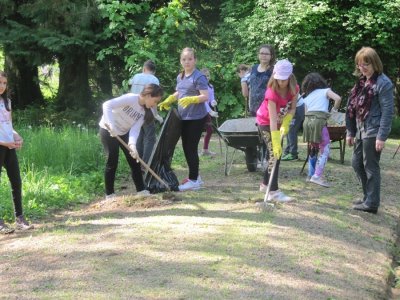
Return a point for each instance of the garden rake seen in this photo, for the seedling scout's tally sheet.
(145, 165)
(266, 204)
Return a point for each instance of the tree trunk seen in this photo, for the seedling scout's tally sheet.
(74, 92)
(104, 78)
(23, 82)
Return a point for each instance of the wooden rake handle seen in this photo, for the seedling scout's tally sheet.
(146, 166)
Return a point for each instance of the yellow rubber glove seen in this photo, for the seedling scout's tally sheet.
(286, 124)
(166, 104)
(276, 143)
(186, 101)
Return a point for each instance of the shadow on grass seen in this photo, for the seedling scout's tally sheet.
(215, 266)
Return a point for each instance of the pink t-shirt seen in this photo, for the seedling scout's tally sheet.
(282, 103)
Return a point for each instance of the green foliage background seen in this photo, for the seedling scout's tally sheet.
(119, 35)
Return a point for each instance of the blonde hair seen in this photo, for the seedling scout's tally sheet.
(273, 84)
(368, 55)
(187, 49)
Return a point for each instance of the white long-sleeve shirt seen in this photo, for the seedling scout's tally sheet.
(124, 114)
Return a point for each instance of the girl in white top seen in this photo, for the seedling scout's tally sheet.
(10, 141)
(316, 98)
(125, 116)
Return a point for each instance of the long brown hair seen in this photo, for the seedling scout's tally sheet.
(5, 93)
(311, 82)
(271, 51)
(152, 90)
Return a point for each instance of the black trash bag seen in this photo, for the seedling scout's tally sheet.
(161, 158)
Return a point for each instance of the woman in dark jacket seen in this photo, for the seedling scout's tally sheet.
(369, 115)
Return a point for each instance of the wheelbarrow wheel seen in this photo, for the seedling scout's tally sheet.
(251, 158)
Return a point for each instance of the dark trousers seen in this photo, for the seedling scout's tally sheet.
(146, 140)
(191, 134)
(266, 136)
(209, 131)
(8, 159)
(365, 163)
(111, 148)
(295, 125)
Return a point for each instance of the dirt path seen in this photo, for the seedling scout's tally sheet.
(213, 244)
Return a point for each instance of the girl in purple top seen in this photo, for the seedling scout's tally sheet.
(191, 93)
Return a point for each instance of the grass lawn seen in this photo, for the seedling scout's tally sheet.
(214, 244)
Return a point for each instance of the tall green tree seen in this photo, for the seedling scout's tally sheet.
(318, 36)
(143, 30)
(39, 31)
(69, 30)
(21, 54)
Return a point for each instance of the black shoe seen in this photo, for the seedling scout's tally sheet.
(359, 201)
(363, 207)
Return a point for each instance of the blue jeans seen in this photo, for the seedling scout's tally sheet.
(295, 125)
(146, 140)
(365, 162)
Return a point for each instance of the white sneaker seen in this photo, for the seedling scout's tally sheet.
(207, 153)
(320, 181)
(198, 180)
(279, 196)
(110, 197)
(143, 193)
(190, 185)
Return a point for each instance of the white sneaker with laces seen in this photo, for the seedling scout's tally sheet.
(143, 193)
(320, 181)
(279, 196)
(190, 185)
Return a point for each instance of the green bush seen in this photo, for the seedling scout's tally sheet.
(59, 167)
(395, 127)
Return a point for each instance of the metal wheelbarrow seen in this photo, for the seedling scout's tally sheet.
(241, 134)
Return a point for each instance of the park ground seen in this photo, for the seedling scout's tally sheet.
(214, 243)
